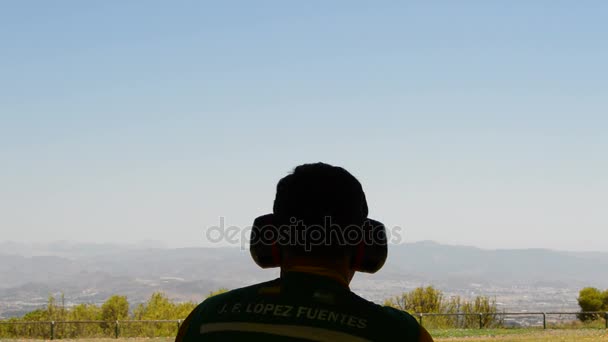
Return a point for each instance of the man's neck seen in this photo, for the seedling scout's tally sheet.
(338, 272)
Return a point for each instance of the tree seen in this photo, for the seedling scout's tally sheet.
(605, 300)
(51, 308)
(430, 300)
(36, 315)
(483, 304)
(116, 308)
(158, 307)
(36, 330)
(421, 299)
(182, 310)
(591, 299)
(217, 292)
(84, 312)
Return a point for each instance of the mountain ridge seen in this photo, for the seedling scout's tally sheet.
(91, 274)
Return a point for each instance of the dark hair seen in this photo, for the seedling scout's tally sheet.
(316, 193)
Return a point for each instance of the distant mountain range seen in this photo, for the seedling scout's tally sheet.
(92, 272)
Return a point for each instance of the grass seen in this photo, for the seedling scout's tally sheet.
(440, 335)
(103, 339)
(520, 335)
(462, 333)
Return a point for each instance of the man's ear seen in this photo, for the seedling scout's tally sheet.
(371, 255)
(263, 247)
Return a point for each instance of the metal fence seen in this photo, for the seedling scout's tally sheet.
(141, 328)
(482, 320)
(74, 329)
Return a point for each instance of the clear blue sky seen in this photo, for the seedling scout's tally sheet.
(468, 122)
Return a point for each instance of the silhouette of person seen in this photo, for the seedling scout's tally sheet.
(319, 235)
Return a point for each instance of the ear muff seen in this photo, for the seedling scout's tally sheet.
(369, 256)
(371, 252)
(263, 243)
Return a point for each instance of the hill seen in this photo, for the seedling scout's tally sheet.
(535, 278)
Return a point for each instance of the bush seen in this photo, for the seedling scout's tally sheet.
(431, 300)
(89, 320)
(592, 299)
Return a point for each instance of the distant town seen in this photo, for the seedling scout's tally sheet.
(518, 280)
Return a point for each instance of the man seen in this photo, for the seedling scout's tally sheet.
(319, 235)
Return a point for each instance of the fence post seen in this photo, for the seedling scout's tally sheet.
(606, 318)
(420, 319)
(544, 320)
(116, 329)
(52, 330)
(179, 323)
(480, 320)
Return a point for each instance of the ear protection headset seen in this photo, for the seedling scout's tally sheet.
(369, 255)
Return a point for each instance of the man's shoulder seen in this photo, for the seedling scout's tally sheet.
(399, 315)
(401, 323)
(389, 321)
(342, 311)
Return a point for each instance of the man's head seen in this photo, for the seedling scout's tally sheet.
(319, 197)
(319, 218)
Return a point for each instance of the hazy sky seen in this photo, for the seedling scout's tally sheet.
(468, 122)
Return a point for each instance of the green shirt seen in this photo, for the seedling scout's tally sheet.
(297, 307)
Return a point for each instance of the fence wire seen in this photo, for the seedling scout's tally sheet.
(166, 328)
